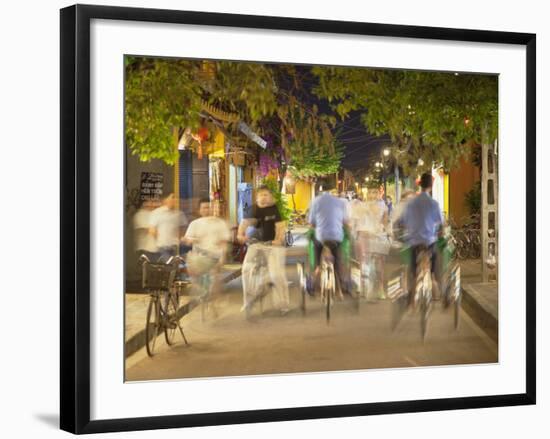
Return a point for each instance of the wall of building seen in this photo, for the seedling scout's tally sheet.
(134, 168)
(302, 196)
(461, 180)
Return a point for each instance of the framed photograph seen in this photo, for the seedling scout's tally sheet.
(273, 218)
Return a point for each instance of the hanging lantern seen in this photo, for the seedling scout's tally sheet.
(203, 134)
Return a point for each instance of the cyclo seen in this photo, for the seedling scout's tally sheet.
(329, 288)
(416, 289)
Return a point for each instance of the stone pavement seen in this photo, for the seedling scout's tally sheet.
(136, 312)
(480, 300)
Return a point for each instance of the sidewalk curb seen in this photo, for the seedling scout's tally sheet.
(137, 341)
(480, 312)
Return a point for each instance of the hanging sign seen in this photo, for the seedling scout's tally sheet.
(245, 129)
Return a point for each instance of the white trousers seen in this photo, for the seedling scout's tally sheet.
(276, 273)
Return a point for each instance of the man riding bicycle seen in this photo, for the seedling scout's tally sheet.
(269, 239)
(209, 236)
(422, 221)
(329, 216)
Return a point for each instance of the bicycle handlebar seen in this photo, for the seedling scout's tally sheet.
(144, 259)
(175, 259)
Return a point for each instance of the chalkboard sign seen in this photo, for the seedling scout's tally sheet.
(152, 186)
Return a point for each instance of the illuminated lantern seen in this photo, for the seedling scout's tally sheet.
(203, 134)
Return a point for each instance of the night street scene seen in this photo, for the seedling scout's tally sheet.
(284, 218)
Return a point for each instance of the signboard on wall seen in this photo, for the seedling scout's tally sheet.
(151, 186)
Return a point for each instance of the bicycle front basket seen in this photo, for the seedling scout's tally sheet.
(158, 276)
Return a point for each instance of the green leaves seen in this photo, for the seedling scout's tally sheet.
(309, 162)
(280, 200)
(434, 115)
(164, 94)
(160, 95)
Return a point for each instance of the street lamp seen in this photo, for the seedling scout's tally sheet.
(386, 152)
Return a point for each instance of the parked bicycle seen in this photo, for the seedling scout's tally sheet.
(162, 311)
(467, 237)
(289, 237)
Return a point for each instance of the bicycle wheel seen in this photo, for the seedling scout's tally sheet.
(152, 325)
(256, 286)
(425, 303)
(170, 318)
(457, 297)
(329, 292)
(302, 285)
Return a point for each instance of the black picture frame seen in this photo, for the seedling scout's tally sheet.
(75, 218)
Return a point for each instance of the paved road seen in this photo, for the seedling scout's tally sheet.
(229, 345)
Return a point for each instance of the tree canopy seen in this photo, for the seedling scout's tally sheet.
(429, 115)
(167, 94)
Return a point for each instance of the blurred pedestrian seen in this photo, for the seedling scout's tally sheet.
(144, 241)
(167, 225)
(423, 222)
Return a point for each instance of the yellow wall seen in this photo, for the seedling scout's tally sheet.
(446, 197)
(302, 197)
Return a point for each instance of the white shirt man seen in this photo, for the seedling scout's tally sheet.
(208, 234)
(166, 222)
(143, 240)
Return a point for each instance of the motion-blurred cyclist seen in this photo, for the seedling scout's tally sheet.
(422, 221)
(209, 236)
(329, 216)
(371, 237)
(269, 239)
